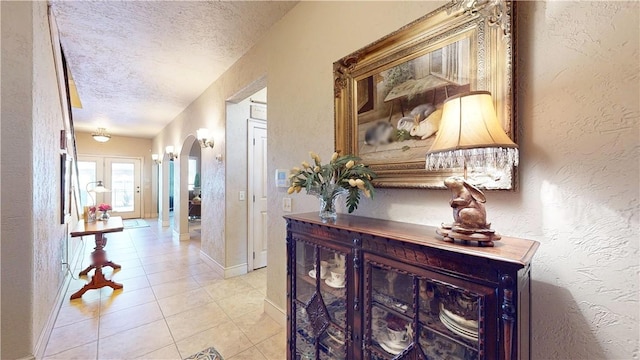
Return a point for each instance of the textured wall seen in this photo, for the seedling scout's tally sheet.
(16, 132)
(128, 147)
(49, 236)
(32, 236)
(236, 211)
(578, 112)
(580, 130)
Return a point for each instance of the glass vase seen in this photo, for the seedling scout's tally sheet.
(327, 194)
(104, 215)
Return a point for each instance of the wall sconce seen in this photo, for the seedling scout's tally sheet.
(156, 159)
(101, 135)
(169, 151)
(204, 138)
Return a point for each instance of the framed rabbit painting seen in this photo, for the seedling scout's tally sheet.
(389, 95)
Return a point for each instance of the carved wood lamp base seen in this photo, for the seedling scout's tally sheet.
(481, 237)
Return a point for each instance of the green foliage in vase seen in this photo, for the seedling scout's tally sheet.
(344, 171)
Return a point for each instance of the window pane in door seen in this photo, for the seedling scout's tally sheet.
(122, 186)
(86, 175)
(193, 163)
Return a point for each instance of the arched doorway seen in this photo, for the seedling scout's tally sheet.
(182, 183)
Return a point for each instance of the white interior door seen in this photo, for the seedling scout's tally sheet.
(122, 177)
(257, 175)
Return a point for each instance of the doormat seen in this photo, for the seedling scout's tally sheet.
(134, 223)
(206, 354)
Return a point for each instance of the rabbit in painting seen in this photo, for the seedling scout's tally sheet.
(406, 123)
(379, 134)
(426, 120)
(467, 202)
(422, 111)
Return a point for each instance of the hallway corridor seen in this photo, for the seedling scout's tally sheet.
(172, 306)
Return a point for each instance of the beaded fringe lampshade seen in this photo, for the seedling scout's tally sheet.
(470, 135)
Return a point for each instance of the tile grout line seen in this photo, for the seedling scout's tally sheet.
(164, 317)
(155, 296)
(167, 249)
(100, 310)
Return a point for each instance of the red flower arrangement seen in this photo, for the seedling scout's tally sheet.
(104, 207)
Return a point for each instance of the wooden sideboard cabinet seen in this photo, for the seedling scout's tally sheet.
(363, 288)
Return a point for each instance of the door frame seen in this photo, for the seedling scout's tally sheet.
(108, 159)
(251, 124)
(102, 169)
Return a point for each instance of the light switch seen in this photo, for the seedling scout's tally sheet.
(286, 204)
(241, 196)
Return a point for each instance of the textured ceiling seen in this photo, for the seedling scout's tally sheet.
(138, 64)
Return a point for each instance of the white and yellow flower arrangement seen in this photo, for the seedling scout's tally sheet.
(343, 174)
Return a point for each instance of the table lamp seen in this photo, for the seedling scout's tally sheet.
(99, 188)
(469, 135)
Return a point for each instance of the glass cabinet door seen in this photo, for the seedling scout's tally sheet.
(305, 260)
(449, 321)
(391, 316)
(334, 294)
(320, 302)
(410, 316)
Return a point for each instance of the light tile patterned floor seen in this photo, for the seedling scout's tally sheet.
(172, 306)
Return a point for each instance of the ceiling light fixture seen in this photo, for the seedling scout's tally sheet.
(101, 135)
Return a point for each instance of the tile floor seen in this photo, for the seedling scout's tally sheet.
(172, 306)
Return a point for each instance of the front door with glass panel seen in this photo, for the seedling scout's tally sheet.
(120, 175)
(90, 171)
(123, 177)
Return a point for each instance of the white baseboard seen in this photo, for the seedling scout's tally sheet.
(43, 339)
(219, 269)
(181, 236)
(226, 273)
(235, 270)
(277, 314)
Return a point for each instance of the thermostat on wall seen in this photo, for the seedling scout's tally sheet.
(282, 178)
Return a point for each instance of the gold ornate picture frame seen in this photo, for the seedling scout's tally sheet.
(389, 94)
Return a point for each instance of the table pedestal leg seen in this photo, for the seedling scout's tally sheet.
(98, 260)
(96, 282)
(99, 256)
(86, 271)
